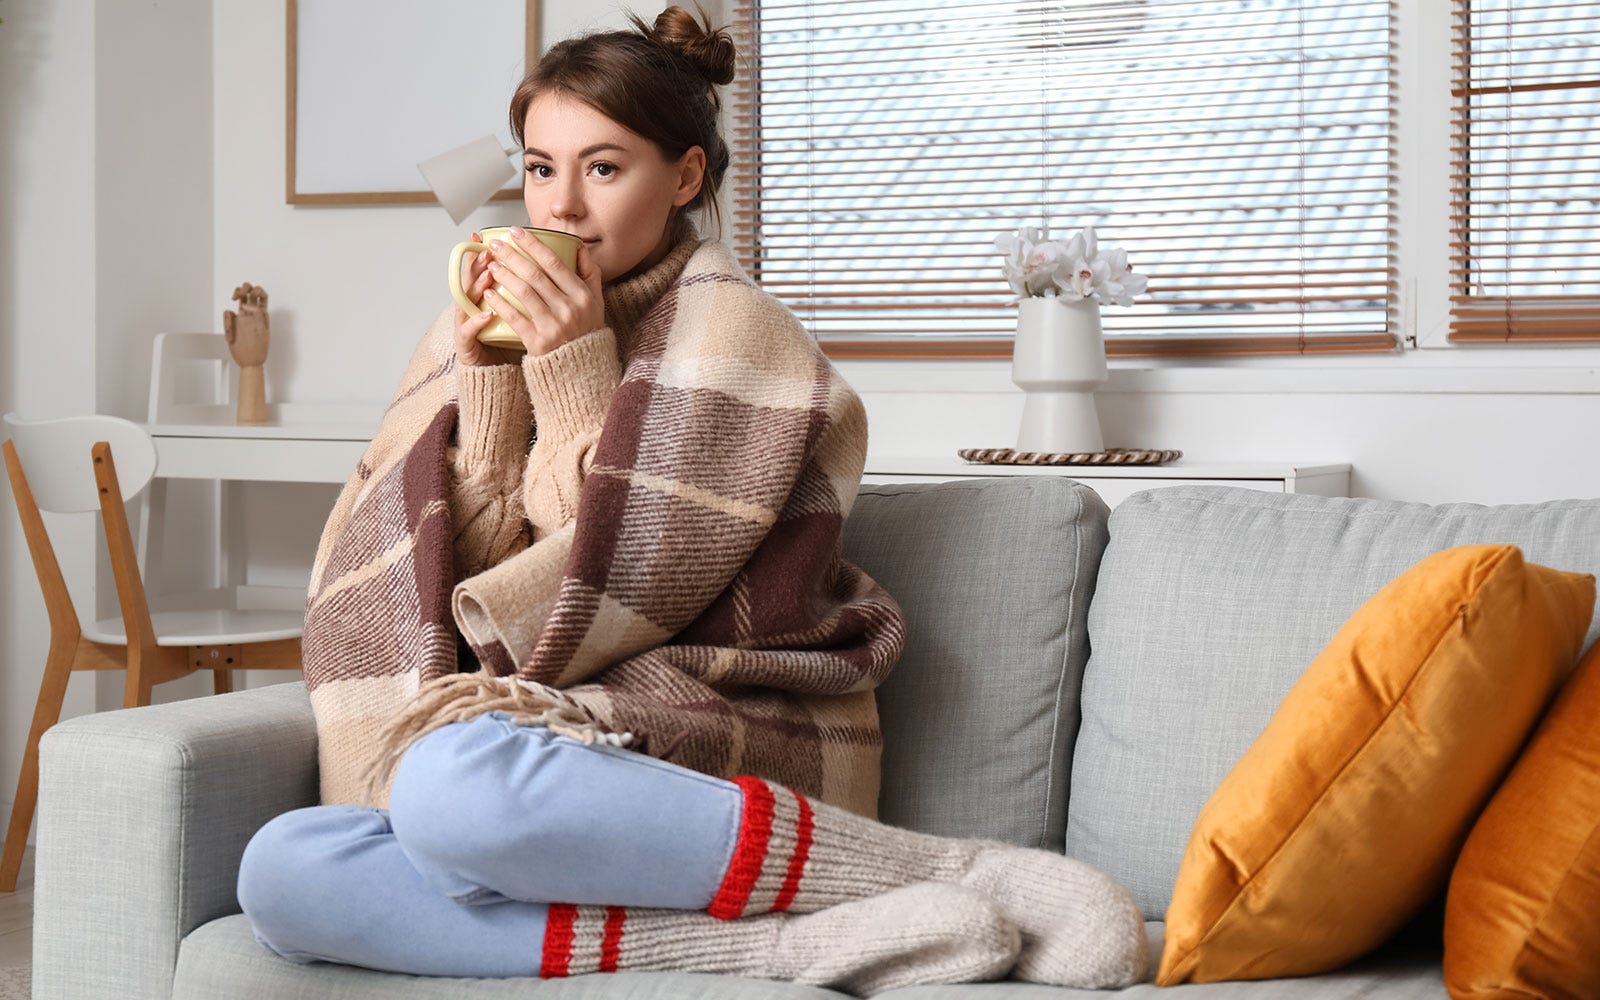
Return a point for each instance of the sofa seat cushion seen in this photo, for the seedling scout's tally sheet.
(979, 716)
(222, 961)
(1395, 976)
(1210, 604)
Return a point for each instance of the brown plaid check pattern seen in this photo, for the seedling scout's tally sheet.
(698, 603)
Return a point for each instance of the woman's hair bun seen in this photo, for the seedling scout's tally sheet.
(710, 51)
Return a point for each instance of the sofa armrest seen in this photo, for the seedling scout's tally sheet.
(143, 816)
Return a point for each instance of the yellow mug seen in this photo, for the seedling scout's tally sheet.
(498, 334)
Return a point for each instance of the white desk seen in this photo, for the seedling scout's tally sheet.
(301, 443)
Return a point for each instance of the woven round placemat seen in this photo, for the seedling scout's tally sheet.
(1111, 456)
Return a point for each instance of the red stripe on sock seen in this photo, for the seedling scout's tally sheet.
(797, 862)
(611, 944)
(755, 829)
(557, 953)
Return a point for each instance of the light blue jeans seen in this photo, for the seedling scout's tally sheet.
(487, 822)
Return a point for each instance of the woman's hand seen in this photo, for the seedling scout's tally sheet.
(562, 304)
(469, 350)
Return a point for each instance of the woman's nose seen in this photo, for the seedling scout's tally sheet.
(566, 201)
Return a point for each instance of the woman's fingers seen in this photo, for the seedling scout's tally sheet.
(505, 310)
(475, 291)
(524, 291)
(588, 273)
(544, 272)
(551, 265)
(504, 261)
(543, 300)
(467, 327)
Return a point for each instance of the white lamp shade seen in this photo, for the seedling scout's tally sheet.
(468, 176)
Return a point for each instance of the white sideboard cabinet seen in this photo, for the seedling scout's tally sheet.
(1115, 483)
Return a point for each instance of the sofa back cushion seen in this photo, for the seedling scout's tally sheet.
(1211, 602)
(979, 716)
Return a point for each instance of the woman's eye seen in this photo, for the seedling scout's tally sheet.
(604, 169)
(539, 169)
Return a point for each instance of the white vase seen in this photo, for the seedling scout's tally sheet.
(1058, 362)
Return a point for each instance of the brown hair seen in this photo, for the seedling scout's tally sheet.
(659, 82)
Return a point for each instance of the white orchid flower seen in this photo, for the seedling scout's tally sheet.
(1074, 248)
(1041, 266)
(1078, 280)
(1116, 291)
(1121, 283)
(1131, 285)
(1037, 266)
(1008, 244)
(1017, 248)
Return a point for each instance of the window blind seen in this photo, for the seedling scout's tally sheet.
(1526, 185)
(1240, 152)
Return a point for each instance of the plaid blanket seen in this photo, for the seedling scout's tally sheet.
(696, 610)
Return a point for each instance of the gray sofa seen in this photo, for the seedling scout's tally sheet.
(1201, 606)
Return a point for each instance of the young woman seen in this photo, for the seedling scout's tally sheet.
(593, 688)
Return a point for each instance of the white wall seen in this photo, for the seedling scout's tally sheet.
(153, 187)
(48, 312)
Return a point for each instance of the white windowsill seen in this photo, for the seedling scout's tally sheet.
(1384, 377)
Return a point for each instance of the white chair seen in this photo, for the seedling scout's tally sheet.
(70, 469)
(185, 365)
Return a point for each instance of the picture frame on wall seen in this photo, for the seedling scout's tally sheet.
(377, 86)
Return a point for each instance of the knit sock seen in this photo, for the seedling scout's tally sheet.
(1079, 926)
(918, 934)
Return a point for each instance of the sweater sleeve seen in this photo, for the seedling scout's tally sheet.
(495, 423)
(571, 388)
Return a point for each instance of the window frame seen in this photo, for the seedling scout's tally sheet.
(1422, 154)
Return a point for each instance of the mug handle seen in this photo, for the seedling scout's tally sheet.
(468, 306)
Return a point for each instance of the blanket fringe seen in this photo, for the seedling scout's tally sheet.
(463, 697)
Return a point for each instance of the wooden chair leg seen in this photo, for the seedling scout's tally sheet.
(136, 689)
(52, 689)
(220, 660)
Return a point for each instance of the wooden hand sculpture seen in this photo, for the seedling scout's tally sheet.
(247, 333)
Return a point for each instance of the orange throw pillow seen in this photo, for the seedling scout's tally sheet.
(1523, 915)
(1345, 815)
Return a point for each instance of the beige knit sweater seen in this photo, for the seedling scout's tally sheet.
(505, 495)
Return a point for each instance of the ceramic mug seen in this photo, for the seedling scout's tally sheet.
(497, 333)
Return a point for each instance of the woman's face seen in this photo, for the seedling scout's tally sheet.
(585, 174)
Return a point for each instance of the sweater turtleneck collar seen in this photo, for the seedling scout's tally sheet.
(629, 298)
